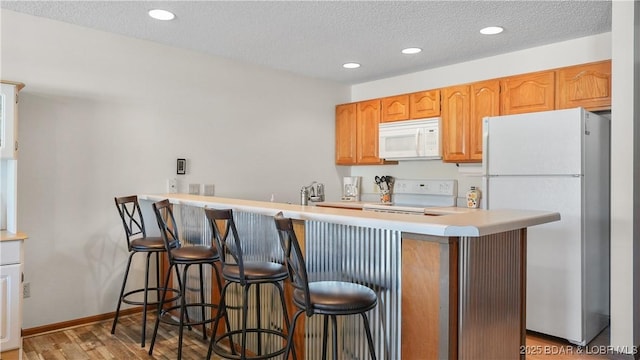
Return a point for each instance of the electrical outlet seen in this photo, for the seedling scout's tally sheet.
(209, 190)
(26, 290)
(194, 189)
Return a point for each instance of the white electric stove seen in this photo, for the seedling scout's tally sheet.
(417, 196)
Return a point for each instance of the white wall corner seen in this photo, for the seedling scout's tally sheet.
(625, 197)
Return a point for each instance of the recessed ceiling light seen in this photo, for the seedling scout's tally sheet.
(411, 51)
(351, 65)
(159, 14)
(491, 30)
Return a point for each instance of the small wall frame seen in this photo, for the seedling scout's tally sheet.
(181, 167)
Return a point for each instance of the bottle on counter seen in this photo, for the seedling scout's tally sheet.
(473, 198)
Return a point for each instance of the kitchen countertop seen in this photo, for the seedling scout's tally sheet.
(461, 222)
(9, 236)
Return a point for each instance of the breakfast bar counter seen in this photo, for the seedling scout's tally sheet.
(449, 287)
(475, 223)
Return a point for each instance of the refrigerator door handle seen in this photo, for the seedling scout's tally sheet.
(485, 146)
(484, 201)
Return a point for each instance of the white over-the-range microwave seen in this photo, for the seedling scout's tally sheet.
(410, 140)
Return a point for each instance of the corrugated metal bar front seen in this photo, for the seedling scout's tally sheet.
(490, 296)
(365, 256)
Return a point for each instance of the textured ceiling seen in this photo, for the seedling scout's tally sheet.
(314, 38)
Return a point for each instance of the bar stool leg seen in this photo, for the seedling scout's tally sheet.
(159, 313)
(145, 301)
(325, 329)
(221, 307)
(335, 337)
(183, 309)
(158, 285)
(290, 338)
(204, 326)
(286, 315)
(259, 319)
(222, 311)
(245, 310)
(124, 284)
(372, 350)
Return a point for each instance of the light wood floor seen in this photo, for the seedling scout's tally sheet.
(94, 341)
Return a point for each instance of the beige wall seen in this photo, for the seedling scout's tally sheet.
(105, 115)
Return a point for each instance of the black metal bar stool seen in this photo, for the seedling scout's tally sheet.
(185, 256)
(328, 298)
(246, 273)
(138, 242)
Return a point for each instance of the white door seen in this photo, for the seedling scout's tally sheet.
(543, 143)
(554, 266)
(10, 306)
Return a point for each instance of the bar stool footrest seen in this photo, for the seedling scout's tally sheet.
(237, 334)
(167, 318)
(133, 292)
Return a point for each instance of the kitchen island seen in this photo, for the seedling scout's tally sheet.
(449, 287)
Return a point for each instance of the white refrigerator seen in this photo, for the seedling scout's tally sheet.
(557, 161)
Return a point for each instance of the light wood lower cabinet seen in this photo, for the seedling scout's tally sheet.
(429, 293)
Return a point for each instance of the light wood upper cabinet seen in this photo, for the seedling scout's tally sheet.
(463, 108)
(455, 123)
(346, 134)
(367, 120)
(485, 101)
(586, 85)
(395, 108)
(418, 105)
(528, 93)
(357, 133)
(424, 104)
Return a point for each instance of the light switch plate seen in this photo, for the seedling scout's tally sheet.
(172, 186)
